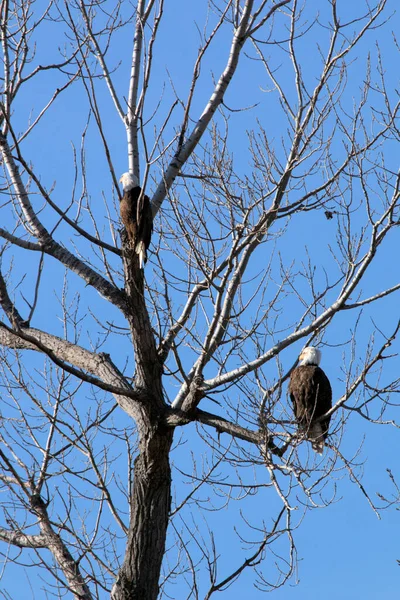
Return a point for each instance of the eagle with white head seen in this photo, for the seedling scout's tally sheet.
(311, 394)
(136, 215)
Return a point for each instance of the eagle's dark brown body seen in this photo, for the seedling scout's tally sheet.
(311, 394)
(137, 217)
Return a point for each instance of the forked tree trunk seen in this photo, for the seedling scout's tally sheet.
(139, 576)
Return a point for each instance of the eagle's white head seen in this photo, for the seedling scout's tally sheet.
(310, 356)
(129, 181)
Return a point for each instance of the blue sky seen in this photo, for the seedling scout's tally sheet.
(343, 551)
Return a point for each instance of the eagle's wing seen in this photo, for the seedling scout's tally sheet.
(300, 389)
(144, 218)
(128, 216)
(324, 403)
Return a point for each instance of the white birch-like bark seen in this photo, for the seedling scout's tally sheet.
(131, 115)
(242, 32)
(186, 150)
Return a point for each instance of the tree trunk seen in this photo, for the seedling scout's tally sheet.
(139, 576)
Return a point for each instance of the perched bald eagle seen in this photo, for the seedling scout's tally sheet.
(311, 394)
(136, 215)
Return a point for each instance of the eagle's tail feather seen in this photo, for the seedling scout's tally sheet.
(316, 437)
(141, 251)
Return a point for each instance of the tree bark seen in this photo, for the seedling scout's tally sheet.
(149, 367)
(139, 576)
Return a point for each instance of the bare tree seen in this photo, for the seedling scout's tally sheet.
(259, 248)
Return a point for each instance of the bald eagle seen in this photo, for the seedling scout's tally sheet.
(311, 394)
(136, 215)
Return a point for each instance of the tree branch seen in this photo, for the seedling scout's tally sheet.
(186, 150)
(21, 540)
(61, 352)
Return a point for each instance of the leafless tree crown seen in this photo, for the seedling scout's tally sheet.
(137, 405)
